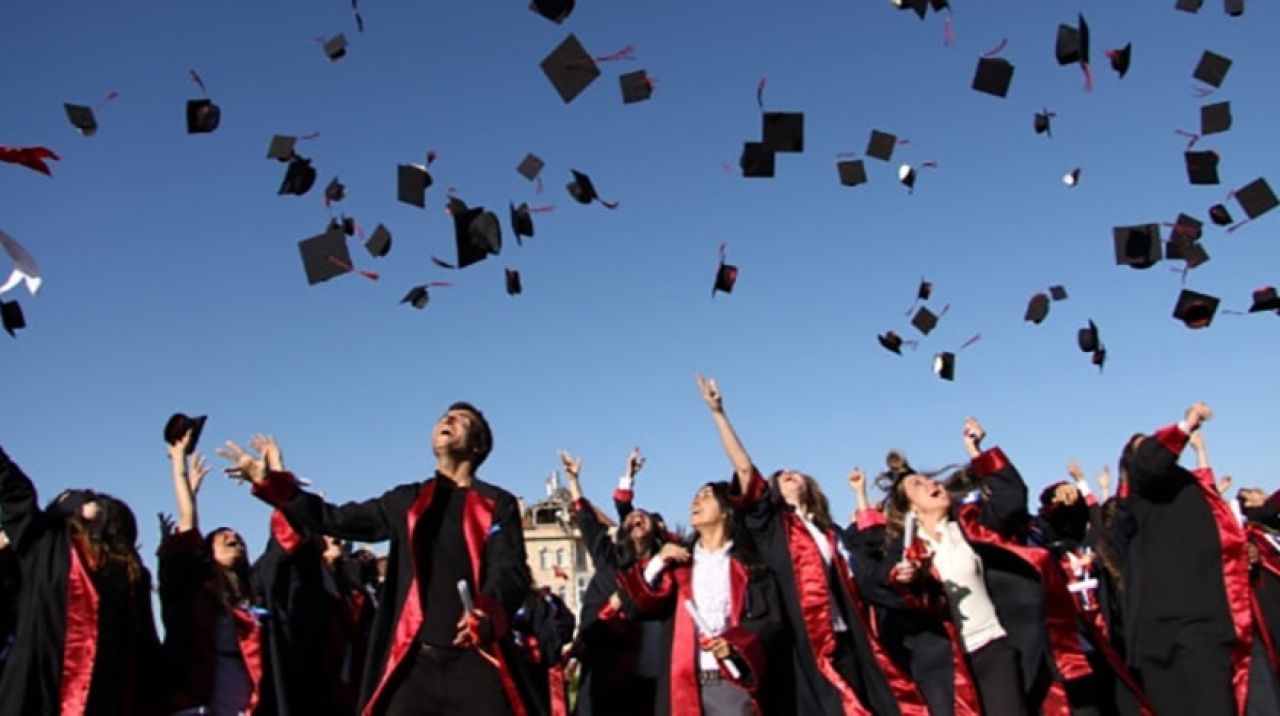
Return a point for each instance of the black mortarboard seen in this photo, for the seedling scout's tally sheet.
(82, 119)
(477, 233)
(1037, 308)
(881, 145)
(1212, 68)
(583, 190)
(907, 176)
(925, 320)
(636, 87)
(1188, 227)
(1219, 215)
(325, 256)
(756, 160)
(335, 191)
(570, 68)
(203, 116)
(1058, 293)
(346, 225)
(891, 342)
(1256, 198)
(1180, 248)
(1191, 6)
(1202, 167)
(1234, 8)
(417, 297)
(336, 47)
(1088, 340)
(1072, 177)
(1137, 246)
(726, 277)
(11, 316)
(521, 221)
(513, 282)
(993, 76)
(920, 6)
(530, 167)
(412, 181)
(783, 131)
(379, 243)
(1215, 118)
(281, 147)
(924, 290)
(1120, 59)
(1265, 299)
(554, 10)
(1195, 309)
(178, 424)
(1042, 123)
(852, 172)
(1072, 45)
(944, 365)
(299, 177)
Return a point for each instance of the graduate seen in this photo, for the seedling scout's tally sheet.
(85, 640)
(836, 664)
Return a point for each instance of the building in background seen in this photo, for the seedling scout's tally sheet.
(557, 554)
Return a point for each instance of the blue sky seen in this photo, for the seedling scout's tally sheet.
(172, 277)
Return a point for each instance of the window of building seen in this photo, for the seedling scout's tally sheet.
(560, 558)
(542, 558)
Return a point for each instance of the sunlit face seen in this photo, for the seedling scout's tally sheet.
(793, 487)
(705, 510)
(638, 525)
(332, 548)
(229, 548)
(925, 494)
(449, 436)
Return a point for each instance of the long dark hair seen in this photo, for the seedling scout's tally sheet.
(111, 543)
(625, 547)
(892, 481)
(1126, 459)
(815, 500)
(230, 585)
(744, 547)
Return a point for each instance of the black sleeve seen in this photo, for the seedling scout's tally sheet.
(595, 534)
(506, 569)
(1151, 473)
(368, 521)
(20, 513)
(623, 507)
(872, 570)
(185, 565)
(1004, 506)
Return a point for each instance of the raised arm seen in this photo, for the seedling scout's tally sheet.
(1151, 460)
(1196, 440)
(743, 468)
(1004, 507)
(623, 496)
(188, 474)
(1104, 483)
(19, 511)
(594, 532)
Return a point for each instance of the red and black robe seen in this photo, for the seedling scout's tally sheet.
(495, 545)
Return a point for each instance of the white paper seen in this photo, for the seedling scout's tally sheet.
(908, 532)
(25, 268)
(729, 666)
(464, 593)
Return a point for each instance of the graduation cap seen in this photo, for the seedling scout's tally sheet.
(636, 87)
(554, 10)
(1120, 59)
(924, 290)
(783, 131)
(513, 282)
(756, 161)
(81, 117)
(419, 295)
(412, 182)
(1256, 198)
(907, 176)
(1191, 6)
(925, 320)
(1058, 293)
(11, 316)
(299, 177)
(1037, 308)
(530, 167)
(570, 68)
(881, 145)
(178, 424)
(1042, 123)
(993, 76)
(1215, 118)
(1265, 299)
(1188, 228)
(1219, 215)
(379, 242)
(726, 275)
(1072, 44)
(1212, 68)
(944, 365)
(521, 221)
(1137, 246)
(852, 172)
(334, 192)
(893, 342)
(335, 48)
(346, 225)
(477, 233)
(1090, 342)
(1194, 309)
(1072, 177)
(281, 147)
(584, 192)
(1202, 167)
(203, 116)
(1181, 248)
(1234, 8)
(325, 256)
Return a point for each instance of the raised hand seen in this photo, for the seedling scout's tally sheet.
(710, 394)
(178, 450)
(1073, 469)
(244, 465)
(167, 525)
(572, 465)
(973, 435)
(673, 552)
(1224, 485)
(1104, 481)
(1251, 498)
(197, 468)
(1197, 415)
(635, 461)
(858, 480)
(270, 449)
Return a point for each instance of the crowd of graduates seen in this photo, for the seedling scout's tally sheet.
(958, 592)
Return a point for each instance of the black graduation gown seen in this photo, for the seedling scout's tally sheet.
(543, 626)
(56, 653)
(9, 583)
(495, 542)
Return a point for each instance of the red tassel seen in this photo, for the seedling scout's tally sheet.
(1191, 136)
(610, 204)
(542, 209)
(1088, 77)
(976, 337)
(948, 33)
(760, 91)
(626, 53)
(199, 82)
(997, 49)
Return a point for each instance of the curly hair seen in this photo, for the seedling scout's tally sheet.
(892, 481)
(230, 585)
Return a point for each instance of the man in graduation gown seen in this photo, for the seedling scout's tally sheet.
(449, 534)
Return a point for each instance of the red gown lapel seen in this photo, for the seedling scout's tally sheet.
(80, 646)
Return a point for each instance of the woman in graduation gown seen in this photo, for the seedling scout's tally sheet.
(616, 651)
(719, 666)
(986, 621)
(1188, 616)
(1263, 532)
(837, 664)
(214, 635)
(85, 642)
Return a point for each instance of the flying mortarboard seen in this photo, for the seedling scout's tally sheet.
(1058, 293)
(1202, 167)
(346, 224)
(11, 316)
(756, 161)
(636, 87)
(881, 145)
(570, 68)
(1191, 6)
(1072, 47)
(203, 116)
(907, 176)
(1180, 248)
(1234, 8)
(412, 182)
(477, 233)
(281, 147)
(1265, 299)
(1219, 215)
(334, 192)
(325, 256)
(521, 221)
(783, 131)
(530, 167)
(178, 424)
(1072, 177)
(554, 10)
(852, 172)
(1037, 308)
(892, 342)
(1137, 246)
(299, 177)
(1120, 59)
(1215, 118)
(420, 295)
(1188, 227)
(944, 365)
(726, 275)
(379, 243)
(1256, 198)
(335, 48)
(81, 117)
(993, 76)
(513, 282)
(925, 320)
(1090, 342)
(1042, 123)
(1212, 68)
(1194, 309)
(583, 190)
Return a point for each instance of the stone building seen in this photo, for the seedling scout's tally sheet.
(557, 555)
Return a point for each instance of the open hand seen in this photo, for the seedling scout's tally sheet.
(572, 465)
(1197, 415)
(718, 647)
(710, 394)
(635, 461)
(270, 449)
(673, 552)
(244, 465)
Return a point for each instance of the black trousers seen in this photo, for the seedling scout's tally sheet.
(446, 681)
(1190, 680)
(845, 659)
(997, 667)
